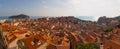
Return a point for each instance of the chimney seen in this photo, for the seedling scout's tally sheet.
(101, 45)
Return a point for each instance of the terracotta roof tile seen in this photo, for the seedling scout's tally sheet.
(111, 44)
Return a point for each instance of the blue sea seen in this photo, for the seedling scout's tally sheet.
(90, 18)
(3, 17)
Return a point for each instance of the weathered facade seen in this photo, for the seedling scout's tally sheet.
(3, 42)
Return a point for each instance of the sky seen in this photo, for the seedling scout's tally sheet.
(91, 8)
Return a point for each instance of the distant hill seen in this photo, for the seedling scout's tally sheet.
(104, 19)
(108, 22)
(21, 16)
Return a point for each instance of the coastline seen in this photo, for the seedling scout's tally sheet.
(87, 18)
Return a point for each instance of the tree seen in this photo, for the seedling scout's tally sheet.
(118, 26)
(87, 46)
(108, 30)
(81, 46)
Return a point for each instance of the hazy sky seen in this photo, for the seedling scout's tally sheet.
(93, 8)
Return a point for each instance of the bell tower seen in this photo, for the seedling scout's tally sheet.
(3, 43)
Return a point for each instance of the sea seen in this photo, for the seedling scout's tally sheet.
(88, 18)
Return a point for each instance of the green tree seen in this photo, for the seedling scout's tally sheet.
(108, 30)
(87, 46)
(80, 46)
